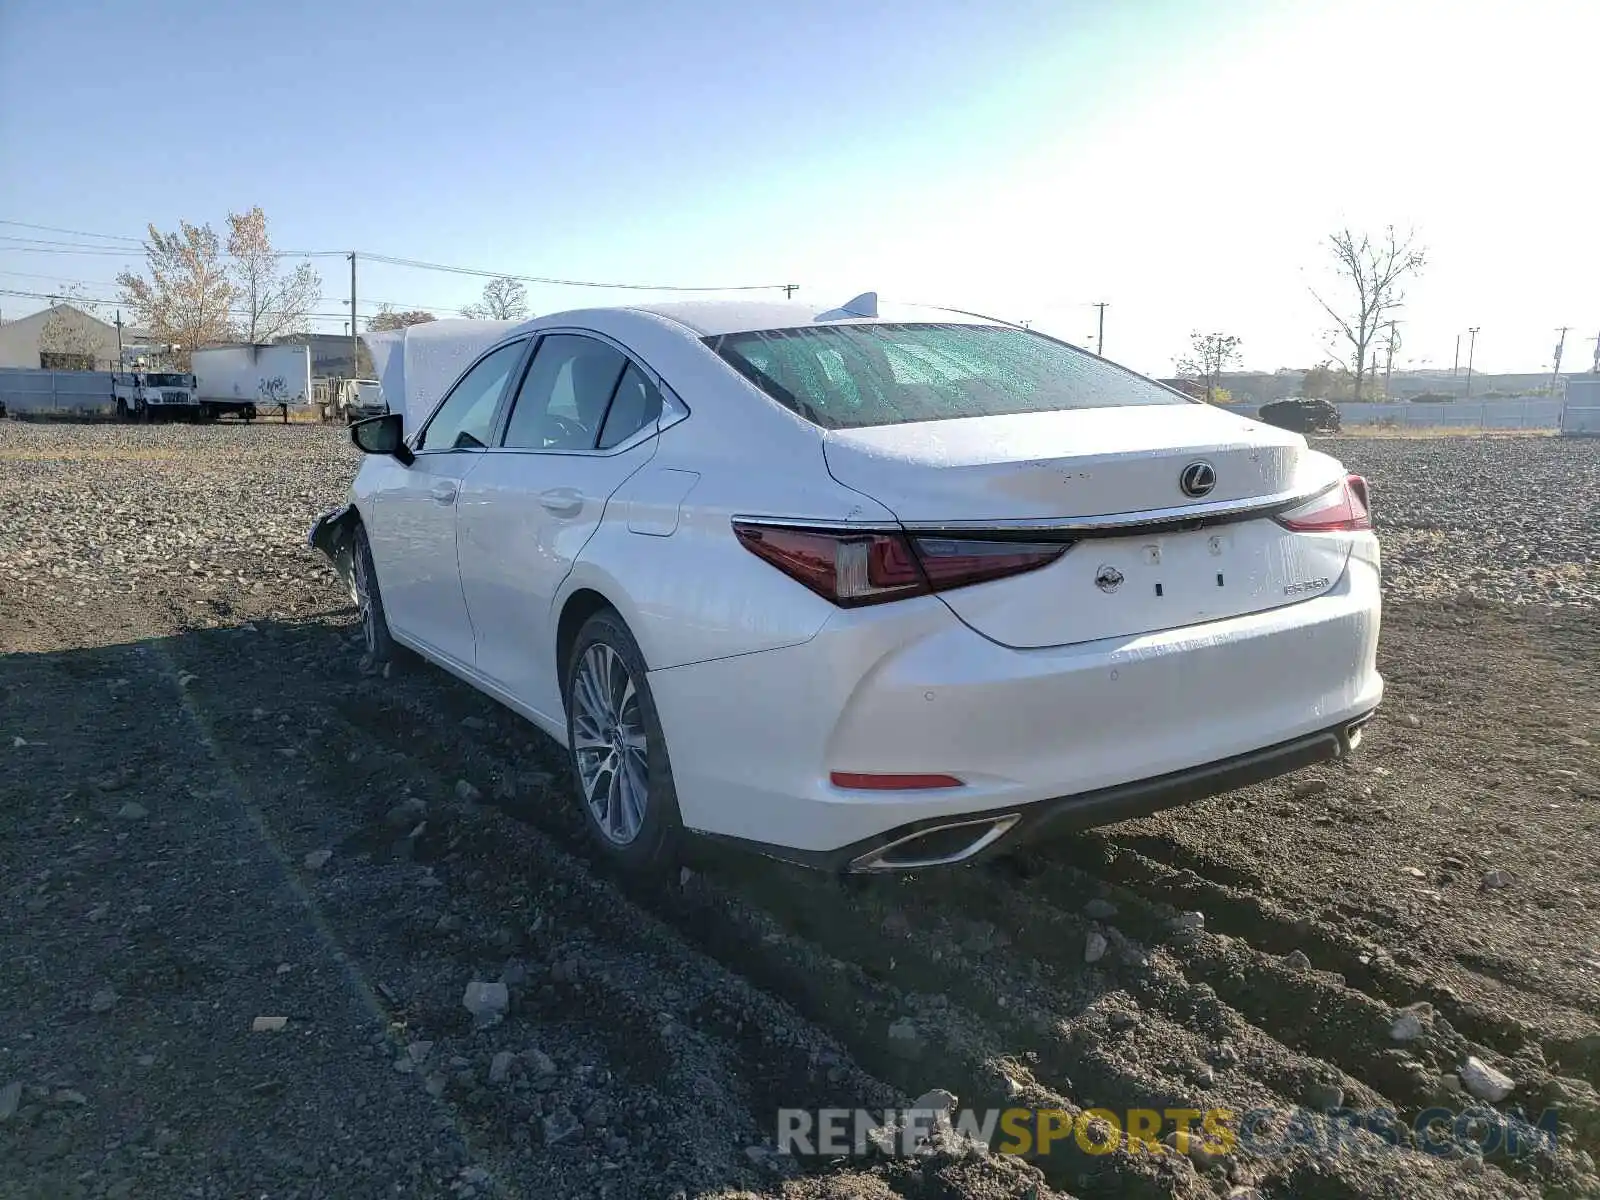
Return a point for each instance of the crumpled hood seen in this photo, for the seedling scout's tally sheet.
(415, 365)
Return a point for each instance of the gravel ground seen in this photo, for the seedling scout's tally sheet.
(210, 817)
(1512, 519)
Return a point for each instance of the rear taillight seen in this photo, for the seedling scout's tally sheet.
(854, 568)
(1340, 508)
(956, 562)
(849, 569)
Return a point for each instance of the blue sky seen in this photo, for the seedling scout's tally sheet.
(1179, 160)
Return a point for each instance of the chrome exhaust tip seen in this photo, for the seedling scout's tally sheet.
(1352, 733)
(937, 846)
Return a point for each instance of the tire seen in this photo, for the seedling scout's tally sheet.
(378, 646)
(122, 410)
(633, 817)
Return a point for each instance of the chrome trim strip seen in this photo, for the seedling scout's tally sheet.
(998, 827)
(1215, 511)
(1236, 510)
(637, 437)
(841, 524)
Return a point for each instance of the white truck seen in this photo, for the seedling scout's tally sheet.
(363, 399)
(154, 395)
(246, 379)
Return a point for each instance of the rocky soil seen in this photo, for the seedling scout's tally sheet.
(1501, 518)
(270, 926)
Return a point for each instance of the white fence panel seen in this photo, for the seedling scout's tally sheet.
(1530, 412)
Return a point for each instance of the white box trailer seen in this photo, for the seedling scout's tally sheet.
(248, 379)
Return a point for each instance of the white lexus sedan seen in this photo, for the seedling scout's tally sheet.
(864, 590)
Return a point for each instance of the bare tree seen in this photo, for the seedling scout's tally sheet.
(184, 294)
(270, 302)
(1210, 354)
(504, 299)
(389, 318)
(66, 341)
(1375, 270)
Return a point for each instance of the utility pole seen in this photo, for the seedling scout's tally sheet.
(1555, 369)
(1456, 364)
(789, 289)
(1100, 336)
(1472, 344)
(1388, 365)
(355, 337)
(119, 339)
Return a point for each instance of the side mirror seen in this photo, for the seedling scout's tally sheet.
(383, 435)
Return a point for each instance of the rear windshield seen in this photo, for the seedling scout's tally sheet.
(849, 376)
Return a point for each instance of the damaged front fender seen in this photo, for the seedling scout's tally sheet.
(333, 533)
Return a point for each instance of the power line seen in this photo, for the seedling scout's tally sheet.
(140, 243)
(61, 279)
(373, 304)
(64, 298)
(38, 241)
(110, 237)
(94, 251)
(51, 246)
(395, 261)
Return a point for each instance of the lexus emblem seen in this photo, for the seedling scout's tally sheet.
(1108, 578)
(1197, 479)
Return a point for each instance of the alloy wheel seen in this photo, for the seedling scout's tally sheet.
(609, 744)
(361, 585)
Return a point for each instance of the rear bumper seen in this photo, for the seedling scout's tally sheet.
(1087, 733)
(970, 837)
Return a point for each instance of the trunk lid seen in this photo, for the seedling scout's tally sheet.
(1069, 463)
(1106, 464)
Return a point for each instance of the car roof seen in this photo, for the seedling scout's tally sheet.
(711, 318)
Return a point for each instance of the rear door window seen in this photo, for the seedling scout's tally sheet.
(636, 405)
(565, 394)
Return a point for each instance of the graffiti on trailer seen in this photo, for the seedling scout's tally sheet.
(274, 390)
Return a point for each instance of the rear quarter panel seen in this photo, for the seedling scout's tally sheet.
(666, 557)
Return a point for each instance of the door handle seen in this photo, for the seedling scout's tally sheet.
(444, 492)
(562, 502)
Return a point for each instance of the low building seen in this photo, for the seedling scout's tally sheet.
(63, 338)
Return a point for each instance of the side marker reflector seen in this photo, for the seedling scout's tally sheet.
(891, 783)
